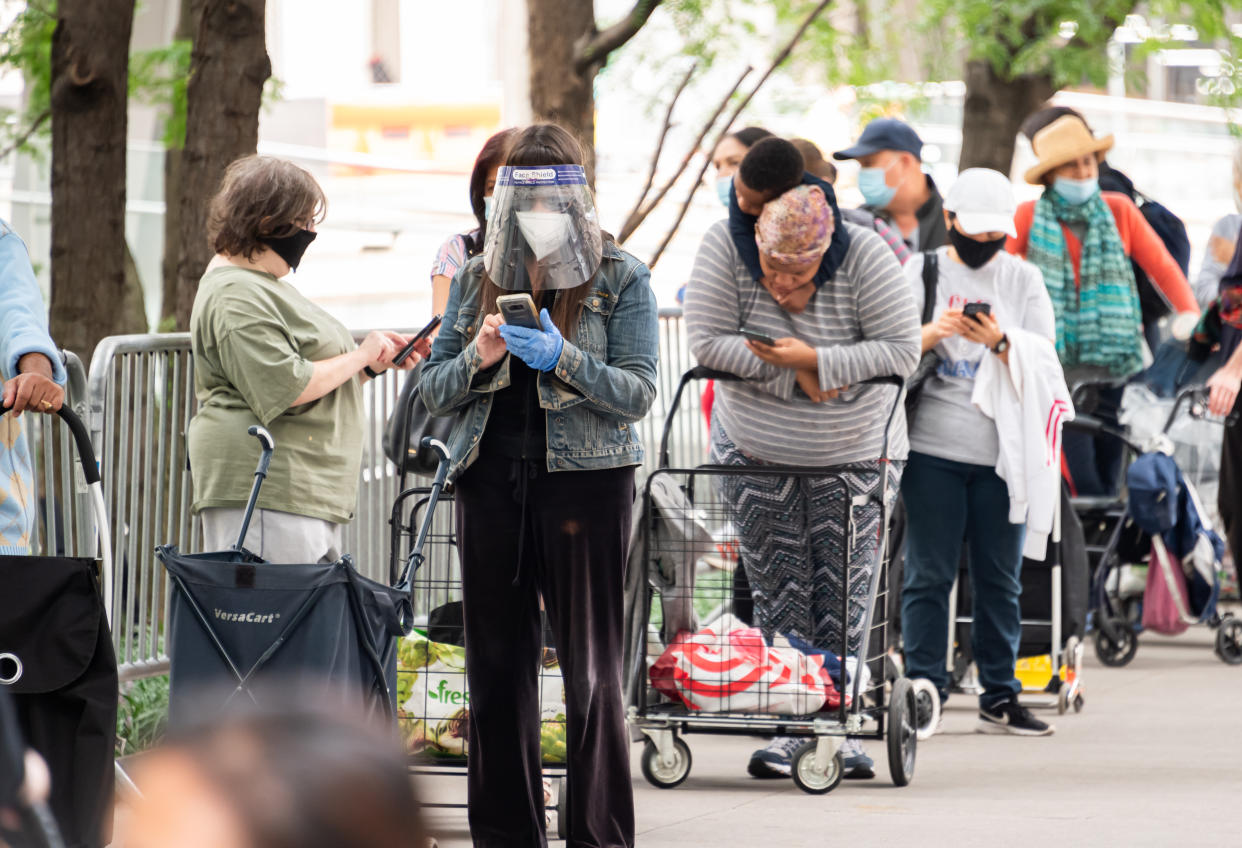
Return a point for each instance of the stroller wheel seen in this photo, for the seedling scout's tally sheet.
(1229, 640)
(1115, 642)
(1078, 703)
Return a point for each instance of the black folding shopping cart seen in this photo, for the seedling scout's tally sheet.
(56, 660)
(238, 623)
(876, 704)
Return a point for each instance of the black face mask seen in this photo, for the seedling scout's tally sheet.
(975, 254)
(291, 248)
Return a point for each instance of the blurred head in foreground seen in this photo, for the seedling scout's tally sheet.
(276, 778)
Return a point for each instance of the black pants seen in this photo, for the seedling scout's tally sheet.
(567, 543)
(1094, 461)
(1229, 496)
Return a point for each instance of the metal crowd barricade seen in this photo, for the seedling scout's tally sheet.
(64, 526)
(139, 403)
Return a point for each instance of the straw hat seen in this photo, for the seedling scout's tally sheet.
(1064, 140)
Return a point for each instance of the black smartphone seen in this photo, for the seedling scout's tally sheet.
(974, 310)
(519, 310)
(405, 352)
(754, 336)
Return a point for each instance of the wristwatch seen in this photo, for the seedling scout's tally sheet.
(370, 372)
(1001, 346)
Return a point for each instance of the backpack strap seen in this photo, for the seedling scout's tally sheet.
(931, 274)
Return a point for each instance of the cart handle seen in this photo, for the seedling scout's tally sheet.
(81, 437)
(702, 372)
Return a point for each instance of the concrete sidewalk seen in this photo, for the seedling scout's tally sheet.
(1155, 758)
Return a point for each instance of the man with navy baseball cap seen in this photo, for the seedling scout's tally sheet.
(893, 184)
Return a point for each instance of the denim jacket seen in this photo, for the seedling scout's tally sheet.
(602, 384)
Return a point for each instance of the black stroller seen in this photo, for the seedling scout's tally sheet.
(57, 663)
(238, 622)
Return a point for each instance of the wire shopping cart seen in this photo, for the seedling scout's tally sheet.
(871, 702)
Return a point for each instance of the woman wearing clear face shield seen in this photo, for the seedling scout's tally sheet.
(542, 456)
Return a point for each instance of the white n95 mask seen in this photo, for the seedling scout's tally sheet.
(545, 232)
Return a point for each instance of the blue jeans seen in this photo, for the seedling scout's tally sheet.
(947, 502)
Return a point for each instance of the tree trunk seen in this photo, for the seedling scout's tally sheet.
(90, 66)
(559, 93)
(227, 71)
(186, 18)
(993, 112)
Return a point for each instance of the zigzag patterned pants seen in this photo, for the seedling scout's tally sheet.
(792, 538)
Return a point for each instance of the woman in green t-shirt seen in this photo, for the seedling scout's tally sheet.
(265, 354)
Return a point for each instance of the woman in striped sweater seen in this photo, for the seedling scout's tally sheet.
(800, 402)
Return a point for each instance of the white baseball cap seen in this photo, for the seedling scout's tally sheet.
(982, 200)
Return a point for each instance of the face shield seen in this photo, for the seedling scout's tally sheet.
(543, 233)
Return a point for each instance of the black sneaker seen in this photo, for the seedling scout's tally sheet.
(1011, 717)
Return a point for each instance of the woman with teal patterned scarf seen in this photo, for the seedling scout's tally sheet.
(1083, 241)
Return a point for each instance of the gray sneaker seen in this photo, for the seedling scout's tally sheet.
(858, 766)
(776, 760)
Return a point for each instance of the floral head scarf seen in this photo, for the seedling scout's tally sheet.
(796, 228)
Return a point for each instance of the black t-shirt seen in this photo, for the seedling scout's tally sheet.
(517, 427)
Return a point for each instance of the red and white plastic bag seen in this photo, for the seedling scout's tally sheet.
(728, 667)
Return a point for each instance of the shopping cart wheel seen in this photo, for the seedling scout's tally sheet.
(902, 732)
(562, 808)
(1115, 642)
(926, 707)
(666, 775)
(1229, 640)
(815, 781)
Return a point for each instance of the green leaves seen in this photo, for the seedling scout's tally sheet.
(160, 77)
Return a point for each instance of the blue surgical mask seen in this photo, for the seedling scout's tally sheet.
(723, 186)
(1075, 192)
(487, 209)
(876, 192)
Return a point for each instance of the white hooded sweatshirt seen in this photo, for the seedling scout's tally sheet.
(1029, 402)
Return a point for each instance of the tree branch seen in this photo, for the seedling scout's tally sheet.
(633, 219)
(640, 213)
(25, 136)
(597, 48)
(780, 58)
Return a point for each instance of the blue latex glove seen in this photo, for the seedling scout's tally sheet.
(540, 349)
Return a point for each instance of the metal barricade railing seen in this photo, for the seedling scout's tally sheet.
(139, 403)
(64, 525)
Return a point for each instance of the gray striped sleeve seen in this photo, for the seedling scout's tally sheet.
(886, 316)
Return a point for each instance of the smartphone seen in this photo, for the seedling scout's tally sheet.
(405, 352)
(519, 310)
(754, 336)
(973, 310)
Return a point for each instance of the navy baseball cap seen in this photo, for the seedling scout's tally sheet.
(884, 134)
